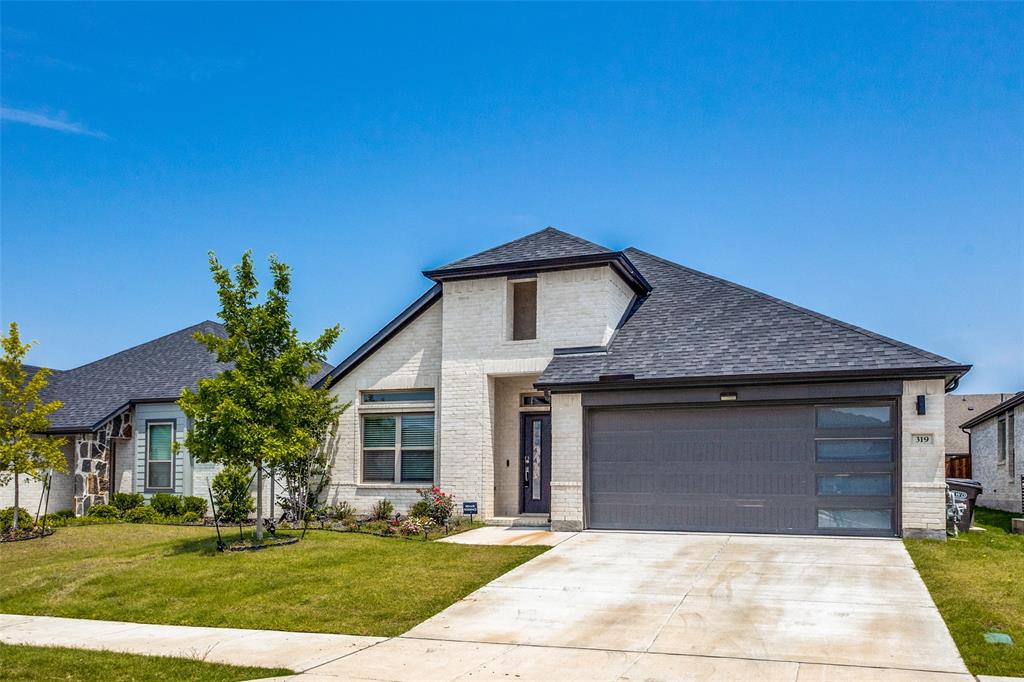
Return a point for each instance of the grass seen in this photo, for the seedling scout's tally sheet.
(975, 580)
(79, 665)
(346, 583)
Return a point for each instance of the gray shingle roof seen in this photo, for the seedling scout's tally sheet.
(546, 244)
(694, 325)
(157, 369)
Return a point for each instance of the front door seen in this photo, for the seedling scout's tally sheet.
(535, 454)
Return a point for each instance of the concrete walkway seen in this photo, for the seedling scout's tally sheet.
(617, 607)
(298, 651)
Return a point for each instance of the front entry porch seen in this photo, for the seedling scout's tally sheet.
(522, 453)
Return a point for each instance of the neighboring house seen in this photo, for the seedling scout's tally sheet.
(997, 454)
(120, 418)
(559, 380)
(960, 408)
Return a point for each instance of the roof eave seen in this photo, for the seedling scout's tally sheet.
(389, 330)
(617, 260)
(947, 373)
(1007, 404)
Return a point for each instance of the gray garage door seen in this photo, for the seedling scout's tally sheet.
(827, 469)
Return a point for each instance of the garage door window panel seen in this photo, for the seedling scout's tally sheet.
(854, 417)
(855, 485)
(855, 519)
(854, 449)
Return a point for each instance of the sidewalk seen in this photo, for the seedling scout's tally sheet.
(298, 651)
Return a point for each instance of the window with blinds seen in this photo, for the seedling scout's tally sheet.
(398, 448)
(160, 456)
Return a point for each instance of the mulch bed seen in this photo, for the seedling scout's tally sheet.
(20, 535)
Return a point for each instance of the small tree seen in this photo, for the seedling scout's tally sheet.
(231, 495)
(259, 412)
(24, 417)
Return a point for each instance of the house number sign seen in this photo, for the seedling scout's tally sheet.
(921, 439)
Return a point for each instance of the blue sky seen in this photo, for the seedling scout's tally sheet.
(865, 161)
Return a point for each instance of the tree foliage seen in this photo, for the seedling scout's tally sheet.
(260, 412)
(24, 418)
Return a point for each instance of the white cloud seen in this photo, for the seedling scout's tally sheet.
(39, 119)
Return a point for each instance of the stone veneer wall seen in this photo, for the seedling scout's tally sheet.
(1001, 482)
(94, 453)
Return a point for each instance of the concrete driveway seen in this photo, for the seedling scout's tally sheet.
(645, 606)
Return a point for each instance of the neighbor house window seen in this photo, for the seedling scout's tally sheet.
(1001, 440)
(398, 448)
(1011, 450)
(160, 456)
(523, 309)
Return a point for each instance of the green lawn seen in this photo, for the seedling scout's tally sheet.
(329, 582)
(977, 581)
(34, 663)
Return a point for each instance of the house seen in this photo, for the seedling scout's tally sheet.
(960, 408)
(997, 454)
(120, 419)
(551, 379)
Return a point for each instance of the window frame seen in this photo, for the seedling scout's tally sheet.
(146, 487)
(510, 308)
(1001, 437)
(396, 450)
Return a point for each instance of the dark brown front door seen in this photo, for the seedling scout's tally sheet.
(535, 455)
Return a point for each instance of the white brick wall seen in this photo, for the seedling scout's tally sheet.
(574, 308)
(411, 359)
(924, 475)
(1000, 489)
(566, 461)
(29, 490)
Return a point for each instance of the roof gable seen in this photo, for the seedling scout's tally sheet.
(694, 325)
(152, 371)
(546, 244)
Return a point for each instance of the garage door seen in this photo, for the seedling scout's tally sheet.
(816, 469)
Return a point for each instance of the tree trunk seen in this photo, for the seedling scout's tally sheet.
(272, 480)
(17, 509)
(259, 502)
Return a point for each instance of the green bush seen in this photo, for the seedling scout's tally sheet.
(143, 515)
(126, 501)
(342, 511)
(63, 514)
(378, 527)
(421, 508)
(166, 504)
(191, 517)
(7, 519)
(103, 511)
(194, 505)
(383, 510)
(231, 495)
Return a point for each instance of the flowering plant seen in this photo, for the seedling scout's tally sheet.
(415, 525)
(435, 504)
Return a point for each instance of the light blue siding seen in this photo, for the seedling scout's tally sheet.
(182, 465)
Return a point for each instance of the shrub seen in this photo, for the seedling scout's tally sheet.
(191, 517)
(231, 495)
(383, 510)
(166, 504)
(341, 511)
(435, 505)
(378, 527)
(103, 511)
(142, 515)
(194, 505)
(123, 502)
(7, 519)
